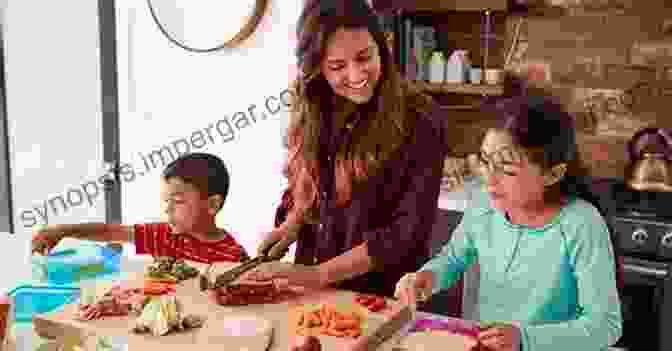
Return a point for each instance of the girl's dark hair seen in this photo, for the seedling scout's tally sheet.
(539, 123)
(206, 172)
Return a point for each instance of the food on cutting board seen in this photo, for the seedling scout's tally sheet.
(306, 343)
(330, 320)
(154, 287)
(118, 301)
(372, 302)
(163, 314)
(170, 269)
(248, 292)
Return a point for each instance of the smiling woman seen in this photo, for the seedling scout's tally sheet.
(207, 26)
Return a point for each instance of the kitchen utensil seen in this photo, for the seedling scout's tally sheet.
(231, 275)
(650, 168)
(390, 327)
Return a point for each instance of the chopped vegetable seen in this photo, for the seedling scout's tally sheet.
(170, 268)
(371, 302)
(331, 322)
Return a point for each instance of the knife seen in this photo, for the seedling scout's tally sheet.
(387, 330)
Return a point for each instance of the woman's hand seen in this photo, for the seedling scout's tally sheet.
(501, 338)
(275, 244)
(414, 287)
(294, 274)
(45, 239)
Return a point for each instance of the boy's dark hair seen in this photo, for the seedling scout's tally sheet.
(206, 172)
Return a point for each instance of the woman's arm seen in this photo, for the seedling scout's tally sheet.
(600, 321)
(346, 266)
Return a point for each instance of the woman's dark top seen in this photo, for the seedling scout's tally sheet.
(394, 212)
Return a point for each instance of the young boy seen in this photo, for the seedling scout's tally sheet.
(193, 190)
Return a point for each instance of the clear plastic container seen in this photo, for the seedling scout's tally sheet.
(27, 339)
(69, 266)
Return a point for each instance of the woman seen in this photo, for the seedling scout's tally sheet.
(366, 155)
(546, 260)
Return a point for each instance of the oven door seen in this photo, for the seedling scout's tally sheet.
(646, 305)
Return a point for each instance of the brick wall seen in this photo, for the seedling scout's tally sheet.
(610, 62)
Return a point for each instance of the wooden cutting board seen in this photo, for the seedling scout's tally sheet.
(52, 325)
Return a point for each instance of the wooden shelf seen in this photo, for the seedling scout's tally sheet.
(442, 5)
(453, 88)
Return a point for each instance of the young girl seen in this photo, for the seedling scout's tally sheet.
(546, 259)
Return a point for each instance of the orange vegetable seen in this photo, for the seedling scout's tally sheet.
(330, 322)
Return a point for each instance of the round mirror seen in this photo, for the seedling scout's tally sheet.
(207, 25)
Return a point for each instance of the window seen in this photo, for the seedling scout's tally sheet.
(6, 223)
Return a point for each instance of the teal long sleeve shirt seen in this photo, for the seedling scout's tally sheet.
(558, 281)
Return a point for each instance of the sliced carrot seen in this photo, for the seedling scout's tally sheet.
(353, 333)
(345, 324)
(334, 332)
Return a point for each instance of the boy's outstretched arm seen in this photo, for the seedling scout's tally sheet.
(48, 237)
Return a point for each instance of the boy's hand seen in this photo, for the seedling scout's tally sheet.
(44, 240)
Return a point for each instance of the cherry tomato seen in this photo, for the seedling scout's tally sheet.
(377, 305)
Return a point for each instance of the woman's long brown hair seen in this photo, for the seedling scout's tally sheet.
(386, 125)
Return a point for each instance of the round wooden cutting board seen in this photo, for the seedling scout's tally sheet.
(238, 332)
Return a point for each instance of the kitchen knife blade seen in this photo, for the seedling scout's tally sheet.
(389, 328)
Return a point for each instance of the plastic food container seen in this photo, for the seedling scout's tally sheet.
(30, 300)
(71, 265)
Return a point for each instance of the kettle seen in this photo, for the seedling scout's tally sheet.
(650, 168)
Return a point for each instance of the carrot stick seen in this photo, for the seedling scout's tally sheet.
(353, 333)
(345, 324)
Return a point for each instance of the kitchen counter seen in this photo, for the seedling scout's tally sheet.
(58, 323)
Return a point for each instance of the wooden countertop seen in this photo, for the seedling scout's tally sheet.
(55, 324)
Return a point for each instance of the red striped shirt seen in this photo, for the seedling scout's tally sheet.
(157, 239)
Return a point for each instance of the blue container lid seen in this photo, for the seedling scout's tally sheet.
(30, 300)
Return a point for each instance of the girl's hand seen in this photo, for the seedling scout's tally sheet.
(45, 239)
(500, 338)
(414, 287)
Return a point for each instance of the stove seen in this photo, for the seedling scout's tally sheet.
(641, 226)
(642, 223)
